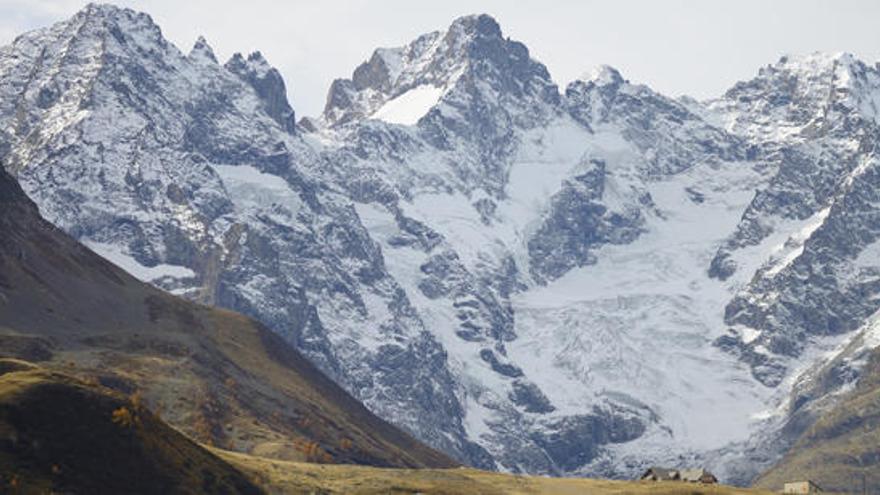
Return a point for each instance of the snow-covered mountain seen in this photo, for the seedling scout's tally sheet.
(578, 281)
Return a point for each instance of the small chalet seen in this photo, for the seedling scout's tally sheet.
(660, 474)
(697, 476)
(801, 487)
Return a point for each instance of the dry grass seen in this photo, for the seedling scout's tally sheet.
(284, 477)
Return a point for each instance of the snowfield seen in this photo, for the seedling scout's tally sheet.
(408, 108)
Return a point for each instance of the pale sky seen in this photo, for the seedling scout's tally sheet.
(693, 47)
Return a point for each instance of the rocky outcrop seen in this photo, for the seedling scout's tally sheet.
(268, 84)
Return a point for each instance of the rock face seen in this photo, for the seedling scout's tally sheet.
(267, 83)
(574, 282)
(818, 204)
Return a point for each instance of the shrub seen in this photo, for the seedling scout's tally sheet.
(313, 452)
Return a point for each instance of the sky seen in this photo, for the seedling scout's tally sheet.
(678, 47)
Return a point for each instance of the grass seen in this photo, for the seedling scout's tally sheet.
(285, 477)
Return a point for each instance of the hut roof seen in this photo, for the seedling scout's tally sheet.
(695, 474)
(661, 473)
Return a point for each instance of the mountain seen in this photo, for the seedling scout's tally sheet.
(803, 319)
(77, 314)
(576, 281)
(200, 191)
(819, 203)
(219, 377)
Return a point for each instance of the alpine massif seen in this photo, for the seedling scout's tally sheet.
(577, 281)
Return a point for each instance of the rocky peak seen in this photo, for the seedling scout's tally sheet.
(827, 70)
(473, 48)
(807, 94)
(103, 11)
(60, 70)
(268, 84)
(108, 27)
(605, 75)
(469, 37)
(475, 26)
(202, 51)
(255, 63)
(671, 134)
(124, 26)
(590, 97)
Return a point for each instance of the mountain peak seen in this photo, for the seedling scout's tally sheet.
(121, 27)
(813, 69)
(269, 85)
(815, 59)
(258, 61)
(813, 92)
(117, 14)
(201, 50)
(603, 75)
(478, 25)
(255, 62)
(836, 68)
(435, 61)
(97, 8)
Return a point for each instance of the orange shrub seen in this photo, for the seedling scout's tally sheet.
(124, 417)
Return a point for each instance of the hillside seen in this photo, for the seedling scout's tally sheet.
(219, 377)
(64, 436)
(841, 450)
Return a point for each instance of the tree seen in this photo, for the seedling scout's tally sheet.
(123, 417)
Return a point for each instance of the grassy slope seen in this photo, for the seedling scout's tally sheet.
(58, 434)
(221, 378)
(282, 477)
(842, 448)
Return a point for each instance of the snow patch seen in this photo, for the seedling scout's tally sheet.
(122, 259)
(409, 107)
(786, 253)
(250, 188)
